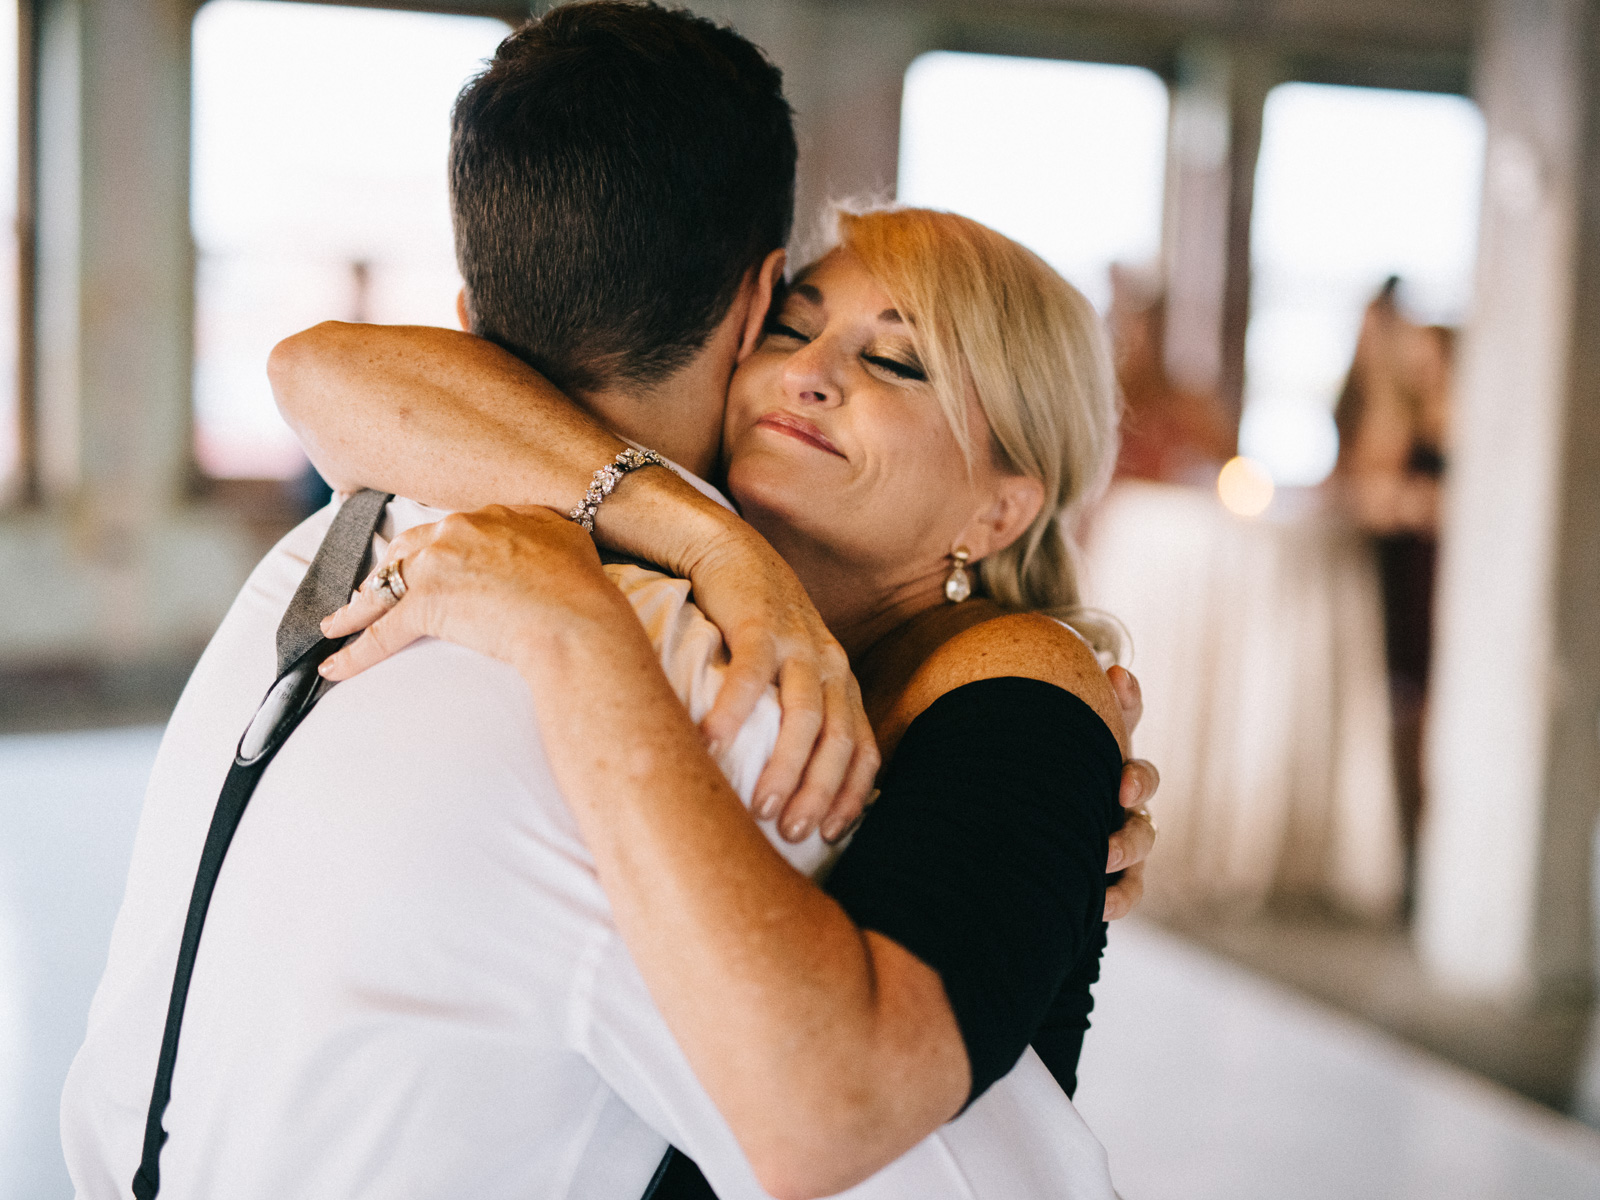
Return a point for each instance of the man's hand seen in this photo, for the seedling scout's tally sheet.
(1130, 845)
(826, 757)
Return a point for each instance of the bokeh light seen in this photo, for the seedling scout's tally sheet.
(1245, 487)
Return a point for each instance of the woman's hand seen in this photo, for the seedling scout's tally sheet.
(492, 579)
(499, 581)
(826, 756)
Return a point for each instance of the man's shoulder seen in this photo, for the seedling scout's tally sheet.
(689, 646)
(273, 581)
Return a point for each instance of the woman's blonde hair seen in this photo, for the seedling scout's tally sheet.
(989, 315)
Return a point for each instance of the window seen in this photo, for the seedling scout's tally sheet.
(320, 139)
(1353, 185)
(1068, 158)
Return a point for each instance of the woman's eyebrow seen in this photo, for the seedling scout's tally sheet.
(806, 292)
(892, 315)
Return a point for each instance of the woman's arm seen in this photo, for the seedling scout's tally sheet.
(829, 1051)
(454, 421)
(378, 406)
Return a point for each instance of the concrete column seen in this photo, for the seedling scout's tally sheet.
(1195, 237)
(844, 70)
(850, 122)
(1504, 902)
(1251, 76)
(115, 312)
(1211, 166)
(116, 565)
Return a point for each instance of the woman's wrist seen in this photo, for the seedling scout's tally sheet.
(658, 516)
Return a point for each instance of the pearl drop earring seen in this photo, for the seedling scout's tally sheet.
(957, 584)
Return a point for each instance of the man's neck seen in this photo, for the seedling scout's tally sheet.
(679, 417)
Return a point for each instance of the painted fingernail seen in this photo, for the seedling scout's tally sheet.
(767, 807)
(325, 667)
(714, 748)
(796, 828)
(837, 831)
(1115, 861)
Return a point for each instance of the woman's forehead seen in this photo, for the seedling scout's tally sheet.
(839, 278)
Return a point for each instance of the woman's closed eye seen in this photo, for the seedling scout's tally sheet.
(777, 328)
(911, 371)
(907, 368)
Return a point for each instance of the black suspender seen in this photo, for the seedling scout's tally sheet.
(334, 573)
(678, 1178)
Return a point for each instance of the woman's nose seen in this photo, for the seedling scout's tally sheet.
(811, 375)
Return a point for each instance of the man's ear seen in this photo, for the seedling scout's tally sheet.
(1016, 502)
(766, 282)
(461, 311)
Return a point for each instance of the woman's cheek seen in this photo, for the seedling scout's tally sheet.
(744, 394)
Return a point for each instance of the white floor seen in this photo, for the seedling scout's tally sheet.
(1208, 1083)
(1204, 1081)
(68, 807)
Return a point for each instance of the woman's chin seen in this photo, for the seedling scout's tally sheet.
(769, 488)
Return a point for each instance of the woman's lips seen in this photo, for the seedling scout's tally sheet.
(799, 427)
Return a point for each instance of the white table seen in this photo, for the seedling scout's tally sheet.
(1259, 644)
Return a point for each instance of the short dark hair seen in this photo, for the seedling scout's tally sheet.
(614, 174)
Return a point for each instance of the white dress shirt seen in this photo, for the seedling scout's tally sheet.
(410, 983)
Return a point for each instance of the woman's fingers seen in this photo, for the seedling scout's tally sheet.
(752, 667)
(368, 604)
(1124, 895)
(391, 632)
(362, 611)
(824, 786)
(857, 792)
(800, 696)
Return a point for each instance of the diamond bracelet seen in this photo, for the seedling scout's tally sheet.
(605, 481)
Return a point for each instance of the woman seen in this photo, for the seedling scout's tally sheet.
(929, 408)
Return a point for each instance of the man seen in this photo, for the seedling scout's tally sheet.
(409, 983)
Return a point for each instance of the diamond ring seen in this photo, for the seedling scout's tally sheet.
(388, 585)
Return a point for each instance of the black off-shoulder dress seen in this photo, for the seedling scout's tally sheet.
(985, 857)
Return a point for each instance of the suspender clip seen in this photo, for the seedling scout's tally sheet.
(289, 699)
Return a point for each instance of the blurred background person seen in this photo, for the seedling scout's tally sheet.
(1393, 418)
